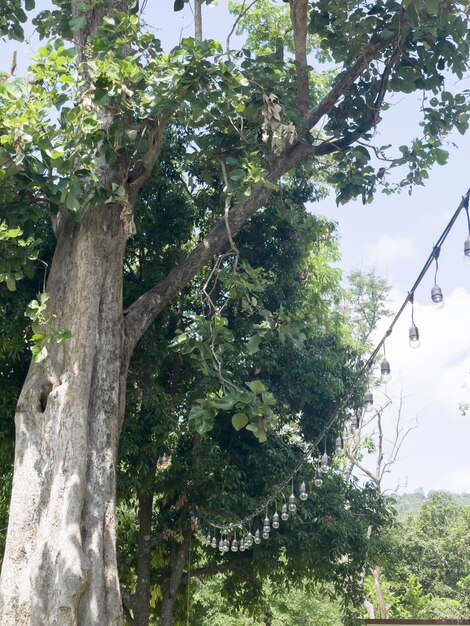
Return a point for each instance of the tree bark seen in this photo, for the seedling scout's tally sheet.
(179, 558)
(141, 600)
(60, 561)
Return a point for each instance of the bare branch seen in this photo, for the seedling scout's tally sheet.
(240, 16)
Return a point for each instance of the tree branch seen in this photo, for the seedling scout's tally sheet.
(299, 19)
(143, 311)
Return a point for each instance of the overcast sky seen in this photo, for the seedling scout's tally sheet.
(394, 235)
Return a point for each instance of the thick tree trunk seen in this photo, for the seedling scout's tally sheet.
(179, 558)
(60, 561)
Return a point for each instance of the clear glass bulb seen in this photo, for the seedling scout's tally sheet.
(265, 535)
(275, 521)
(214, 542)
(303, 492)
(257, 537)
(234, 545)
(324, 463)
(249, 539)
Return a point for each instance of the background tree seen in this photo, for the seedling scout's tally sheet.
(251, 120)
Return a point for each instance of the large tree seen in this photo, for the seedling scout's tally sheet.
(252, 119)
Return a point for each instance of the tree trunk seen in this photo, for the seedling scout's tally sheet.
(141, 600)
(178, 559)
(60, 560)
(376, 572)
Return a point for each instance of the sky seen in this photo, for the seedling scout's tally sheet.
(394, 235)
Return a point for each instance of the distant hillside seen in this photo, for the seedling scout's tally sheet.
(411, 502)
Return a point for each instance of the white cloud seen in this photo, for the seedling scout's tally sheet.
(388, 250)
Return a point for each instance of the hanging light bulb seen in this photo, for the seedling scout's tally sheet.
(385, 372)
(221, 545)
(249, 540)
(303, 495)
(214, 542)
(324, 462)
(292, 505)
(234, 547)
(413, 332)
(265, 534)
(318, 478)
(368, 401)
(226, 545)
(257, 537)
(466, 250)
(414, 337)
(356, 422)
(284, 512)
(242, 547)
(437, 297)
(339, 446)
(266, 524)
(275, 521)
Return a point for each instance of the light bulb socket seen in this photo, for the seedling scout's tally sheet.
(339, 446)
(466, 249)
(324, 463)
(368, 401)
(414, 336)
(437, 297)
(385, 371)
(303, 492)
(275, 521)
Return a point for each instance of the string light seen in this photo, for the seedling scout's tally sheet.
(284, 512)
(413, 333)
(339, 446)
(368, 401)
(385, 371)
(248, 540)
(436, 292)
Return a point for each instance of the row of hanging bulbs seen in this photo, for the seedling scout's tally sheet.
(228, 539)
(228, 532)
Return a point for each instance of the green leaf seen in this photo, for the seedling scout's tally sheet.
(29, 5)
(239, 420)
(256, 386)
(253, 344)
(39, 353)
(178, 5)
(76, 23)
(11, 283)
(262, 436)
